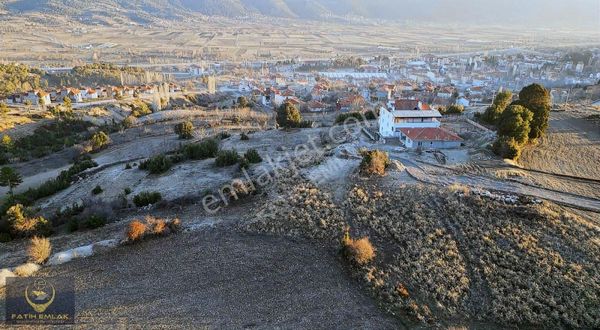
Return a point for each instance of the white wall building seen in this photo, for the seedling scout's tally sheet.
(406, 114)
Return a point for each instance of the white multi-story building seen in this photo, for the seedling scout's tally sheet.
(406, 114)
(416, 125)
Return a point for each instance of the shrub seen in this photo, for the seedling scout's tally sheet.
(140, 109)
(252, 156)
(244, 163)
(359, 251)
(24, 226)
(174, 225)
(93, 222)
(374, 162)
(227, 158)
(5, 238)
(129, 122)
(128, 166)
(157, 164)
(157, 226)
(136, 230)
(507, 147)
(27, 269)
(97, 190)
(370, 115)
(288, 116)
(127, 191)
(185, 130)
(39, 250)
(453, 110)
(146, 198)
(73, 225)
(357, 116)
(203, 150)
(224, 135)
(244, 137)
(99, 140)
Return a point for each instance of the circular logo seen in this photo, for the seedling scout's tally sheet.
(40, 295)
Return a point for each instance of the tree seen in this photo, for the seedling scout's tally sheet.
(42, 102)
(4, 110)
(99, 140)
(288, 115)
(6, 143)
(243, 102)
(515, 122)
(67, 103)
(501, 101)
(10, 178)
(537, 99)
(185, 130)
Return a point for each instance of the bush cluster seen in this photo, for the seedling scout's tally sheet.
(157, 164)
(24, 225)
(203, 150)
(185, 130)
(138, 230)
(146, 198)
(374, 162)
(227, 158)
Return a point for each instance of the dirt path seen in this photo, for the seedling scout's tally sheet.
(446, 178)
(217, 279)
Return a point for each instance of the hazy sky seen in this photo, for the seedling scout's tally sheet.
(568, 13)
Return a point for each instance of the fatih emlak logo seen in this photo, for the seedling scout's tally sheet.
(40, 295)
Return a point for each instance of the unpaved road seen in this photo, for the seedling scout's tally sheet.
(218, 279)
(446, 178)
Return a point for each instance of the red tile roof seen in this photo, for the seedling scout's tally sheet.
(430, 134)
(411, 105)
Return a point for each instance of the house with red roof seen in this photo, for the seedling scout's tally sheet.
(429, 138)
(416, 124)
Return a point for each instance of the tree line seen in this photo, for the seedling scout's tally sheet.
(518, 122)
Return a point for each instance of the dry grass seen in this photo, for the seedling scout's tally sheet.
(460, 254)
(26, 270)
(136, 230)
(564, 153)
(300, 209)
(12, 121)
(39, 250)
(359, 251)
(151, 226)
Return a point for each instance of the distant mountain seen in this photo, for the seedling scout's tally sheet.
(544, 13)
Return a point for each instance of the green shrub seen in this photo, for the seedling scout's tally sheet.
(157, 164)
(227, 158)
(203, 150)
(357, 116)
(146, 198)
(99, 140)
(93, 222)
(185, 130)
(73, 225)
(244, 137)
(453, 110)
(224, 135)
(244, 163)
(128, 166)
(370, 115)
(288, 116)
(374, 162)
(507, 147)
(127, 191)
(5, 238)
(97, 190)
(252, 156)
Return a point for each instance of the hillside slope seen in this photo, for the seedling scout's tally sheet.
(540, 13)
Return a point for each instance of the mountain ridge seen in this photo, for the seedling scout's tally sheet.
(542, 13)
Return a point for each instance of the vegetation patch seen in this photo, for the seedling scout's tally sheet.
(147, 198)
